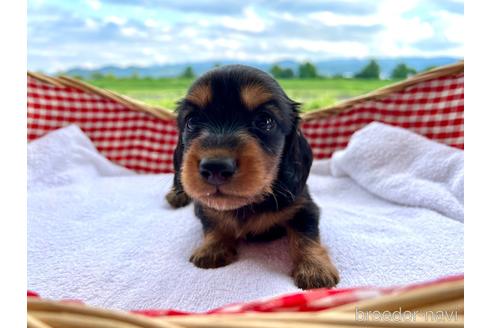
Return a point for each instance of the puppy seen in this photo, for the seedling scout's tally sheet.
(244, 162)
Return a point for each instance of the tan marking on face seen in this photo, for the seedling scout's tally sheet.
(200, 95)
(251, 182)
(253, 95)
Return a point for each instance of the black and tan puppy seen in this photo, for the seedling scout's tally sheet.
(244, 162)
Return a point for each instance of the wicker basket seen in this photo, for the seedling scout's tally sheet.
(430, 103)
(415, 308)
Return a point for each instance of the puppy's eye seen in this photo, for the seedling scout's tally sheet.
(264, 122)
(191, 123)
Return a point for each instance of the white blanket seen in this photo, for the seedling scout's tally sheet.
(405, 168)
(102, 234)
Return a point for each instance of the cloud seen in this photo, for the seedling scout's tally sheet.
(435, 44)
(343, 48)
(332, 19)
(314, 30)
(451, 6)
(220, 7)
(251, 22)
(347, 7)
(448, 32)
(94, 4)
(63, 35)
(120, 21)
(195, 6)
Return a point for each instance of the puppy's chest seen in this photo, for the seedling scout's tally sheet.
(255, 223)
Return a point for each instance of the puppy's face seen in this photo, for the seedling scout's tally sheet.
(233, 126)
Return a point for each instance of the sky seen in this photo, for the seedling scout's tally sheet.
(94, 33)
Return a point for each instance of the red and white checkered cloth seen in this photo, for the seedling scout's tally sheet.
(136, 140)
(433, 108)
(145, 143)
(307, 301)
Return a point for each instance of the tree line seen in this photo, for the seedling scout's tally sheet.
(370, 71)
(306, 70)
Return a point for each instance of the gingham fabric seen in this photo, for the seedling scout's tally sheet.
(136, 140)
(308, 301)
(432, 108)
(145, 144)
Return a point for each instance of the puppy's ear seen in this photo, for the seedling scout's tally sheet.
(296, 160)
(177, 197)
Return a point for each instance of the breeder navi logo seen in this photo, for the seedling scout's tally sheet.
(400, 315)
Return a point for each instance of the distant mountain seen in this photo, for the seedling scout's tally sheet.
(346, 67)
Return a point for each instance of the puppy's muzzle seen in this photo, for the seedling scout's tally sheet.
(217, 171)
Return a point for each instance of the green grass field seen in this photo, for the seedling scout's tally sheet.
(312, 93)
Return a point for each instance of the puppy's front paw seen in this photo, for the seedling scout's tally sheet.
(209, 257)
(309, 275)
(177, 199)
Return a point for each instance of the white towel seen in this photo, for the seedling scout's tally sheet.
(101, 234)
(405, 168)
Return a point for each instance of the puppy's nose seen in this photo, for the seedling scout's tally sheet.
(217, 171)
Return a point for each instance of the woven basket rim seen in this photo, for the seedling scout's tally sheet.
(444, 296)
(166, 114)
